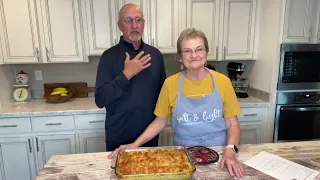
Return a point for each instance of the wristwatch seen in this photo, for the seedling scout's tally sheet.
(233, 147)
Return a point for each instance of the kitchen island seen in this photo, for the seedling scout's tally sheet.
(96, 166)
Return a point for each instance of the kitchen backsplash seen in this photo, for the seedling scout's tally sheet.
(86, 72)
(6, 82)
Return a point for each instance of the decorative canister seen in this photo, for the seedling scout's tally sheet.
(22, 78)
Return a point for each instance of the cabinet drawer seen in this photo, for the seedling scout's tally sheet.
(91, 121)
(251, 114)
(15, 125)
(53, 123)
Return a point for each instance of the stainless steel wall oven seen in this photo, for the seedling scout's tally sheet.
(297, 116)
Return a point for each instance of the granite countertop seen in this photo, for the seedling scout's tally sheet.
(96, 166)
(78, 106)
(40, 107)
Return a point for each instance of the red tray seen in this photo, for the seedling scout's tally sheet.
(203, 155)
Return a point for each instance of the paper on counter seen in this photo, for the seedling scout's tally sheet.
(280, 168)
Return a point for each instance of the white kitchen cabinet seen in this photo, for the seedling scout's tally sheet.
(1, 57)
(62, 30)
(144, 6)
(101, 25)
(238, 29)
(315, 23)
(19, 31)
(17, 159)
(103, 30)
(253, 123)
(164, 24)
(49, 145)
(92, 142)
(297, 23)
(42, 31)
(205, 15)
(166, 137)
(250, 133)
(229, 26)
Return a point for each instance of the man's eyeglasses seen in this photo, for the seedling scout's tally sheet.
(129, 20)
(189, 52)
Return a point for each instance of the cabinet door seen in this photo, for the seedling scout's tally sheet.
(238, 29)
(100, 25)
(143, 4)
(50, 145)
(19, 31)
(316, 22)
(297, 21)
(166, 137)
(204, 15)
(92, 142)
(250, 133)
(17, 159)
(164, 25)
(62, 30)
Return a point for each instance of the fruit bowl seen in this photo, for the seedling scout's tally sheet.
(57, 98)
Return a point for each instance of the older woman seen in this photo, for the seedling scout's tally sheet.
(201, 103)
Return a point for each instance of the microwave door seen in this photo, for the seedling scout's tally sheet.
(299, 67)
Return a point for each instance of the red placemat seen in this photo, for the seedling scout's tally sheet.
(203, 155)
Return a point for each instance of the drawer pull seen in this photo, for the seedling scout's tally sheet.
(53, 124)
(30, 148)
(250, 115)
(37, 144)
(101, 121)
(6, 126)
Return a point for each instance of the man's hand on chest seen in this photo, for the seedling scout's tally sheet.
(134, 66)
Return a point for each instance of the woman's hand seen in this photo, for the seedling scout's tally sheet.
(122, 147)
(233, 165)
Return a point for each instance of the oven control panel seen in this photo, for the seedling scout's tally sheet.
(307, 98)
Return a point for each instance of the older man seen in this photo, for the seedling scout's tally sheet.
(129, 79)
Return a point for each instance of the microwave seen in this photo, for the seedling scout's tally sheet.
(299, 67)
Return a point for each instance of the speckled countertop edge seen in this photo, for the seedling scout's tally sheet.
(79, 106)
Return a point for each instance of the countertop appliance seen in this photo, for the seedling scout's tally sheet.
(299, 67)
(240, 84)
(209, 66)
(297, 116)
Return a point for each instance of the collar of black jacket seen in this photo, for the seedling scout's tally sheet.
(130, 45)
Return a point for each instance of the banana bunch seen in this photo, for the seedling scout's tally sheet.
(59, 91)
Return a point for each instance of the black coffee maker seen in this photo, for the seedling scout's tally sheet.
(240, 84)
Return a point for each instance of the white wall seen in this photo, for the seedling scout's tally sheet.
(268, 45)
(265, 72)
(6, 82)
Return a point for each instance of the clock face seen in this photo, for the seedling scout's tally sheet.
(20, 94)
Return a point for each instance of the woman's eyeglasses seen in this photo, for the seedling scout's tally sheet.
(189, 52)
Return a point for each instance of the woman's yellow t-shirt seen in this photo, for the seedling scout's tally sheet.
(195, 89)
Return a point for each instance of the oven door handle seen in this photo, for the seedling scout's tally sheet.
(300, 108)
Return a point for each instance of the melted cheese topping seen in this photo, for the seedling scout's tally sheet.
(153, 161)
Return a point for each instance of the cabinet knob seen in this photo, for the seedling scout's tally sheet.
(250, 115)
(7, 126)
(38, 54)
(48, 54)
(101, 121)
(216, 52)
(53, 124)
(310, 34)
(37, 144)
(30, 148)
